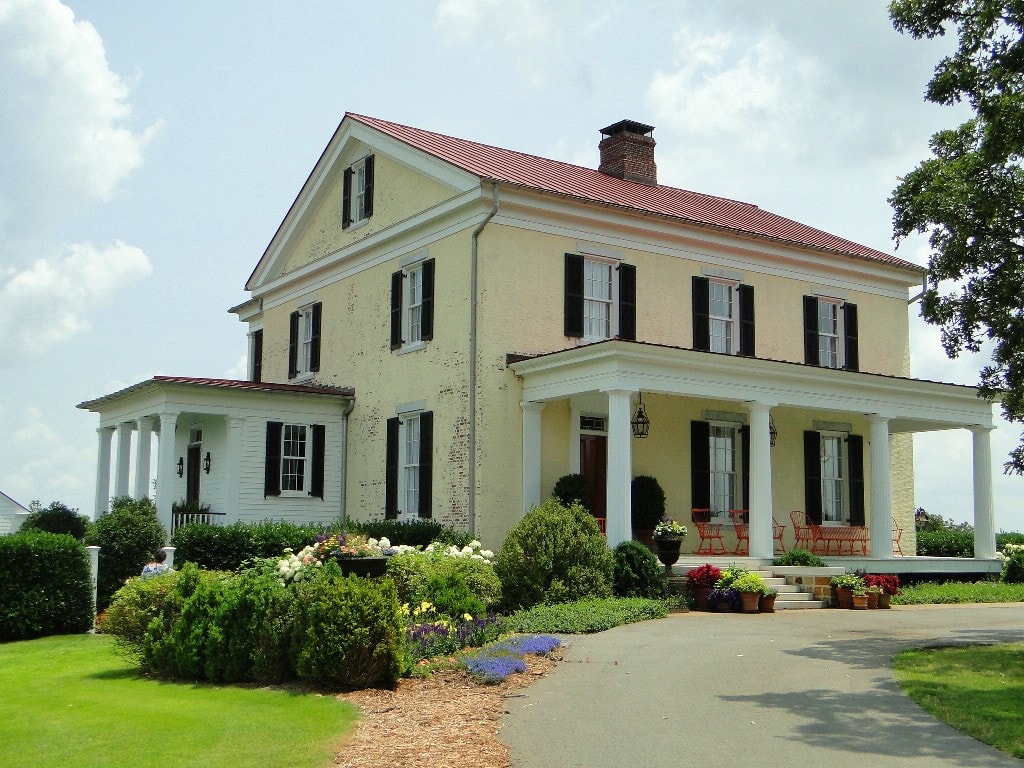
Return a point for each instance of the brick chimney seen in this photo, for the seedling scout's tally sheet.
(627, 152)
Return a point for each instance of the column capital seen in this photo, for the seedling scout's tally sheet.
(979, 429)
(876, 418)
(532, 405)
(758, 406)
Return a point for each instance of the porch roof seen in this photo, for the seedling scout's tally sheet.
(911, 405)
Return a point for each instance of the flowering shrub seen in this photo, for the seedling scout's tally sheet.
(539, 645)
(1013, 563)
(431, 634)
(703, 576)
(724, 595)
(729, 575)
(669, 530)
(496, 662)
(473, 550)
(888, 584)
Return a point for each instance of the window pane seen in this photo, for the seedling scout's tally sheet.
(722, 455)
(597, 304)
(359, 192)
(414, 302)
(832, 480)
(720, 316)
(828, 334)
(293, 457)
(411, 464)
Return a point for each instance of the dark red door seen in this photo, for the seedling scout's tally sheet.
(594, 467)
(192, 476)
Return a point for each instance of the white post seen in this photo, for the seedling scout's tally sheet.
(984, 514)
(620, 469)
(124, 457)
(881, 489)
(759, 505)
(165, 468)
(103, 435)
(531, 454)
(94, 574)
(142, 453)
(232, 464)
(169, 551)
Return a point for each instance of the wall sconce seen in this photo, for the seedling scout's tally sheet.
(206, 463)
(772, 431)
(640, 423)
(181, 466)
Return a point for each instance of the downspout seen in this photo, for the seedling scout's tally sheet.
(472, 356)
(349, 406)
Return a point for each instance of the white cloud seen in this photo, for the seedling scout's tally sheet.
(65, 138)
(51, 300)
(513, 21)
(240, 370)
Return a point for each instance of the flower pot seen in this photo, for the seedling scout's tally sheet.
(885, 600)
(749, 601)
(700, 598)
(723, 606)
(844, 597)
(860, 602)
(766, 604)
(873, 595)
(363, 566)
(667, 551)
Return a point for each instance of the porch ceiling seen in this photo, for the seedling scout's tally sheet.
(911, 405)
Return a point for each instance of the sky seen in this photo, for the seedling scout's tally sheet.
(149, 150)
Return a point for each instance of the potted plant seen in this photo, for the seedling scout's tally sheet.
(843, 586)
(700, 581)
(766, 604)
(887, 583)
(724, 599)
(647, 501)
(668, 537)
(750, 587)
(859, 598)
(570, 488)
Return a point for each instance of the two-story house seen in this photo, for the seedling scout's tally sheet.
(441, 328)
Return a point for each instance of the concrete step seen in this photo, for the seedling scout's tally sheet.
(790, 605)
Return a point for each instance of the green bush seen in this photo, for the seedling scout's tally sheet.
(128, 536)
(45, 586)
(57, 518)
(571, 488)
(647, 502)
(159, 643)
(1003, 538)
(412, 571)
(350, 630)
(1013, 571)
(229, 547)
(800, 557)
(555, 554)
(451, 597)
(413, 533)
(946, 542)
(133, 607)
(637, 573)
(585, 616)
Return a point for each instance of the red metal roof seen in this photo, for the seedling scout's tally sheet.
(255, 386)
(506, 165)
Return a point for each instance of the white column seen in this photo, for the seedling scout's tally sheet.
(620, 468)
(574, 438)
(142, 452)
(232, 464)
(169, 551)
(880, 523)
(102, 499)
(94, 573)
(124, 458)
(984, 514)
(166, 468)
(531, 454)
(759, 505)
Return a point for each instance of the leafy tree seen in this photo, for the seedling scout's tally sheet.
(56, 518)
(968, 197)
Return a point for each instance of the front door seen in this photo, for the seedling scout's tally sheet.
(594, 467)
(192, 476)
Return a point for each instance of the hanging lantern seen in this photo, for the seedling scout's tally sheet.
(640, 423)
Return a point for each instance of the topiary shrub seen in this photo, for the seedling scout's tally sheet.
(555, 554)
(45, 586)
(57, 518)
(800, 557)
(128, 536)
(572, 488)
(647, 501)
(637, 573)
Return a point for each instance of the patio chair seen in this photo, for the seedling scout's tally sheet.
(802, 530)
(779, 531)
(897, 534)
(709, 533)
(741, 526)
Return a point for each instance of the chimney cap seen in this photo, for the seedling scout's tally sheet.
(627, 126)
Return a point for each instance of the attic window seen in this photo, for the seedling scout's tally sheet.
(357, 203)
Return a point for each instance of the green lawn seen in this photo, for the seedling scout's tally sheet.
(976, 689)
(71, 702)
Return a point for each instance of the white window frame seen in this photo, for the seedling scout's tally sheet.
(728, 341)
(597, 307)
(831, 333)
(357, 199)
(295, 464)
(835, 478)
(412, 306)
(304, 342)
(409, 465)
(731, 476)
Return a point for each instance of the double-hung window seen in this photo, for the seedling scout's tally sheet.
(830, 333)
(834, 476)
(412, 305)
(304, 341)
(357, 202)
(721, 319)
(294, 460)
(600, 298)
(723, 315)
(409, 465)
(719, 463)
(833, 480)
(724, 468)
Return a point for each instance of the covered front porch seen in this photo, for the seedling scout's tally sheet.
(833, 446)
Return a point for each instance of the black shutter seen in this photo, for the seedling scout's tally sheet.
(368, 190)
(427, 311)
(391, 470)
(850, 330)
(627, 302)
(346, 200)
(701, 322)
(314, 347)
(811, 331)
(396, 309)
(812, 476)
(574, 295)
(257, 355)
(272, 463)
(316, 478)
(700, 465)
(426, 462)
(745, 453)
(856, 457)
(746, 320)
(293, 345)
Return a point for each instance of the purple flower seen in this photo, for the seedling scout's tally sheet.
(536, 644)
(494, 669)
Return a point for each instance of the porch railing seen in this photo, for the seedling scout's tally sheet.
(180, 518)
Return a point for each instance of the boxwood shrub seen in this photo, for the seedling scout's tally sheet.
(57, 518)
(229, 547)
(128, 536)
(45, 586)
(637, 572)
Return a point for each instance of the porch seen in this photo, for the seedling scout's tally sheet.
(776, 411)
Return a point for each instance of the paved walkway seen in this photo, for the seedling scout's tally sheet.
(796, 689)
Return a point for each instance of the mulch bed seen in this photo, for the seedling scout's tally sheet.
(445, 721)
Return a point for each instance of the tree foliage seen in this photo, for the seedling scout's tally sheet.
(968, 197)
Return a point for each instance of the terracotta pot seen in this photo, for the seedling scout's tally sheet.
(700, 597)
(885, 600)
(723, 606)
(844, 597)
(749, 601)
(766, 604)
(873, 599)
(860, 603)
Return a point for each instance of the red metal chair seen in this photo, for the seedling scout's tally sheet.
(741, 526)
(897, 534)
(802, 530)
(778, 531)
(709, 533)
(602, 523)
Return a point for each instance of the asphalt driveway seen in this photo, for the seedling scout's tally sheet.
(800, 689)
